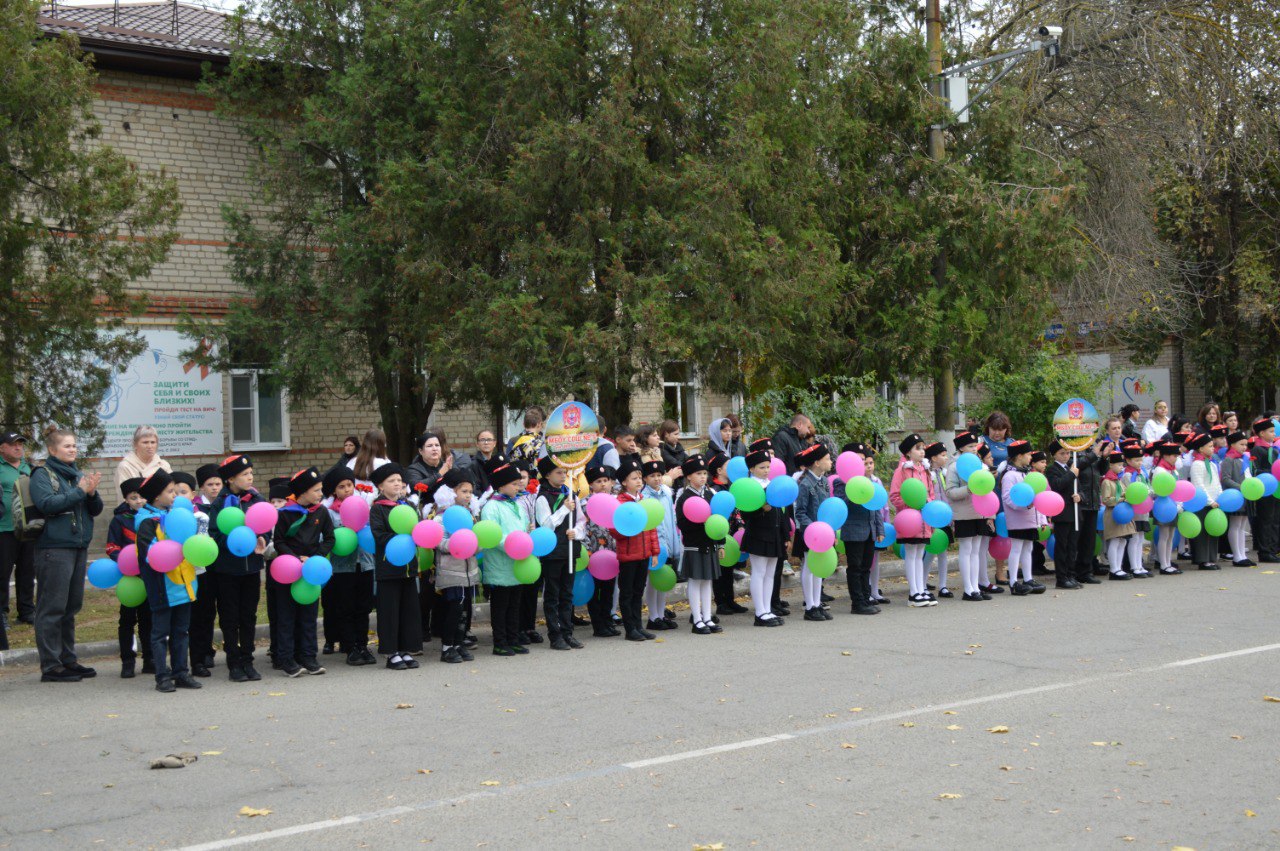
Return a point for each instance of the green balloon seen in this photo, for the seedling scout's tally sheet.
(426, 559)
(344, 541)
(131, 592)
(1045, 533)
(488, 533)
(304, 593)
(914, 493)
(937, 542)
(981, 482)
(1252, 489)
(664, 578)
(200, 550)
(748, 494)
(717, 527)
(859, 490)
(584, 558)
(527, 570)
(402, 519)
(1151, 534)
(732, 552)
(839, 547)
(822, 564)
(655, 511)
(228, 519)
(899, 550)
(1098, 546)
(1137, 493)
(1163, 483)
(1215, 522)
(1189, 525)
(1037, 481)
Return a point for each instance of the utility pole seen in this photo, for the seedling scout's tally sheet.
(944, 382)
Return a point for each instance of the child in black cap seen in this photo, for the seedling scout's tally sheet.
(122, 534)
(203, 609)
(556, 508)
(347, 597)
(600, 606)
(239, 587)
(303, 530)
(169, 595)
(209, 484)
(399, 621)
(700, 561)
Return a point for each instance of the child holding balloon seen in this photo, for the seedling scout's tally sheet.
(700, 560)
(936, 456)
(972, 527)
(238, 566)
(350, 592)
(862, 529)
(722, 586)
(1117, 520)
(765, 535)
(600, 606)
(1021, 518)
(399, 621)
(635, 552)
(655, 599)
(1164, 475)
(1267, 522)
(169, 593)
(880, 507)
(913, 474)
(121, 534)
(814, 462)
(503, 588)
(556, 510)
(455, 578)
(304, 531)
(1233, 471)
(1205, 476)
(1135, 479)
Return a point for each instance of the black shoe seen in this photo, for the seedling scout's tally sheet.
(1209, 565)
(579, 620)
(85, 673)
(277, 665)
(1035, 587)
(604, 633)
(451, 656)
(369, 658)
(558, 643)
(946, 594)
(252, 673)
(1245, 563)
(521, 650)
(616, 618)
(1118, 577)
(929, 587)
(573, 642)
(328, 650)
(972, 598)
(732, 609)
(700, 629)
(1019, 589)
(881, 601)
(355, 659)
(312, 667)
(503, 651)
(660, 625)
(991, 589)
(863, 610)
(470, 640)
(984, 594)
(635, 635)
(187, 681)
(1141, 574)
(166, 685)
(715, 627)
(774, 621)
(814, 614)
(826, 614)
(667, 614)
(521, 639)
(1088, 580)
(209, 662)
(781, 609)
(534, 636)
(1263, 558)
(1069, 584)
(1170, 571)
(397, 663)
(60, 675)
(294, 670)
(1101, 571)
(465, 654)
(1004, 582)
(410, 662)
(200, 671)
(126, 671)
(648, 636)
(237, 675)
(27, 620)
(826, 598)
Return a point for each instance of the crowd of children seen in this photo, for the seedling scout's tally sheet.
(174, 628)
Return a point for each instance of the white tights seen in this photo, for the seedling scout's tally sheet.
(913, 555)
(984, 572)
(811, 586)
(653, 598)
(762, 568)
(941, 559)
(971, 563)
(1020, 560)
(700, 600)
(1164, 545)
(1115, 553)
(874, 579)
(1236, 524)
(1134, 546)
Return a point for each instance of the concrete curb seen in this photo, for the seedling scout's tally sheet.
(480, 614)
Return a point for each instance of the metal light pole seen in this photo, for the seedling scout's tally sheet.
(944, 382)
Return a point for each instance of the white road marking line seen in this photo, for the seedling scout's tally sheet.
(423, 806)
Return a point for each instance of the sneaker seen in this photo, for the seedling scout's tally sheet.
(312, 667)
(1036, 587)
(826, 614)
(470, 641)
(126, 671)
(60, 675)
(166, 685)
(85, 673)
(294, 670)
(648, 636)
(559, 643)
(200, 671)
(369, 658)
(1019, 589)
(814, 614)
(788, 570)
(503, 651)
(237, 675)
(465, 655)
(573, 642)
(252, 672)
(451, 656)
(521, 650)
(355, 658)
(328, 650)
(187, 681)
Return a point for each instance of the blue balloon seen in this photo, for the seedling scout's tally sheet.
(834, 512)
(1022, 495)
(967, 464)
(879, 497)
(103, 573)
(400, 550)
(1050, 545)
(1166, 510)
(365, 539)
(1231, 501)
(456, 517)
(1268, 484)
(630, 519)
(583, 587)
(241, 541)
(183, 503)
(724, 504)
(1100, 517)
(938, 514)
(1197, 502)
(890, 537)
(781, 492)
(1002, 525)
(544, 541)
(1122, 514)
(736, 468)
(317, 570)
(661, 560)
(179, 524)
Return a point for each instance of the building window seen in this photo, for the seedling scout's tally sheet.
(680, 397)
(259, 418)
(893, 397)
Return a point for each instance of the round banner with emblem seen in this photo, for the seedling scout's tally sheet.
(572, 434)
(1076, 424)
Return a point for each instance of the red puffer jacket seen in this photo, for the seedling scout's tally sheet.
(635, 547)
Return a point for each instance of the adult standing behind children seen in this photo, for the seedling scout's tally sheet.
(144, 459)
(997, 433)
(791, 439)
(432, 462)
(371, 455)
(16, 556)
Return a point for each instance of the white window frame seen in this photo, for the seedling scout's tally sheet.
(256, 444)
(892, 396)
(695, 384)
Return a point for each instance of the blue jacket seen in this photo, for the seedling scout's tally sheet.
(813, 491)
(164, 590)
(862, 524)
(68, 511)
(668, 534)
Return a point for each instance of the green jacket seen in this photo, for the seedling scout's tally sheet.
(68, 512)
(498, 566)
(8, 478)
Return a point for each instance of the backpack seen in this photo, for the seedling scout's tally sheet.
(28, 522)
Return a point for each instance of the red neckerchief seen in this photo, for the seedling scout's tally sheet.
(1231, 453)
(1265, 444)
(390, 502)
(1165, 465)
(1112, 476)
(292, 504)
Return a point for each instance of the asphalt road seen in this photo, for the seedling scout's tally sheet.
(1135, 718)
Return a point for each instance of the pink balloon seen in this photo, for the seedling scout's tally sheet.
(600, 508)
(737, 536)
(909, 523)
(518, 545)
(428, 534)
(164, 556)
(463, 544)
(987, 504)
(354, 512)
(1275, 468)
(696, 509)
(127, 560)
(1183, 491)
(286, 569)
(603, 565)
(1049, 504)
(1145, 506)
(261, 517)
(999, 548)
(850, 465)
(776, 468)
(819, 537)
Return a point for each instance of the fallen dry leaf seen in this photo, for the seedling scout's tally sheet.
(424, 770)
(1136, 762)
(848, 745)
(1237, 738)
(949, 796)
(1250, 814)
(113, 716)
(1268, 572)
(490, 783)
(974, 646)
(968, 652)
(999, 728)
(251, 812)
(856, 709)
(949, 712)
(829, 715)
(1129, 838)
(908, 724)
(954, 727)
(1269, 699)
(1006, 768)
(275, 694)
(659, 641)
(715, 846)
(1139, 595)
(210, 753)
(845, 653)
(508, 710)
(404, 706)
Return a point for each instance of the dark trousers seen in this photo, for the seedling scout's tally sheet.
(557, 597)
(238, 598)
(600, 606)
(631, 578)
(453, 626)
(859, 555)
(1086, 544)
(777, 583)
(529, 605)
(722, 587)
(504, 613)
(60, 572)
(169, 635)
(399, 622)
(295, 627)
(203, 612)
(1037, 559)
(17, 562)
(1066, 540)
(273, 619)
(430, 607)
(1204, 547)
(1267, 526)
(351, 602)
(330, 605)
(135, 619)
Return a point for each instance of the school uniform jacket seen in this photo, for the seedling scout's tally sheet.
(303, 531)
(1112, 494)
(1232, 473)
(1204, 474)
(380, 526)
(767, 531)
(1063, 482)
(694, 534)
(907, 470)
(635, 547)
(862, 524)
(227, 563)
(121, 532)
(164, 590)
